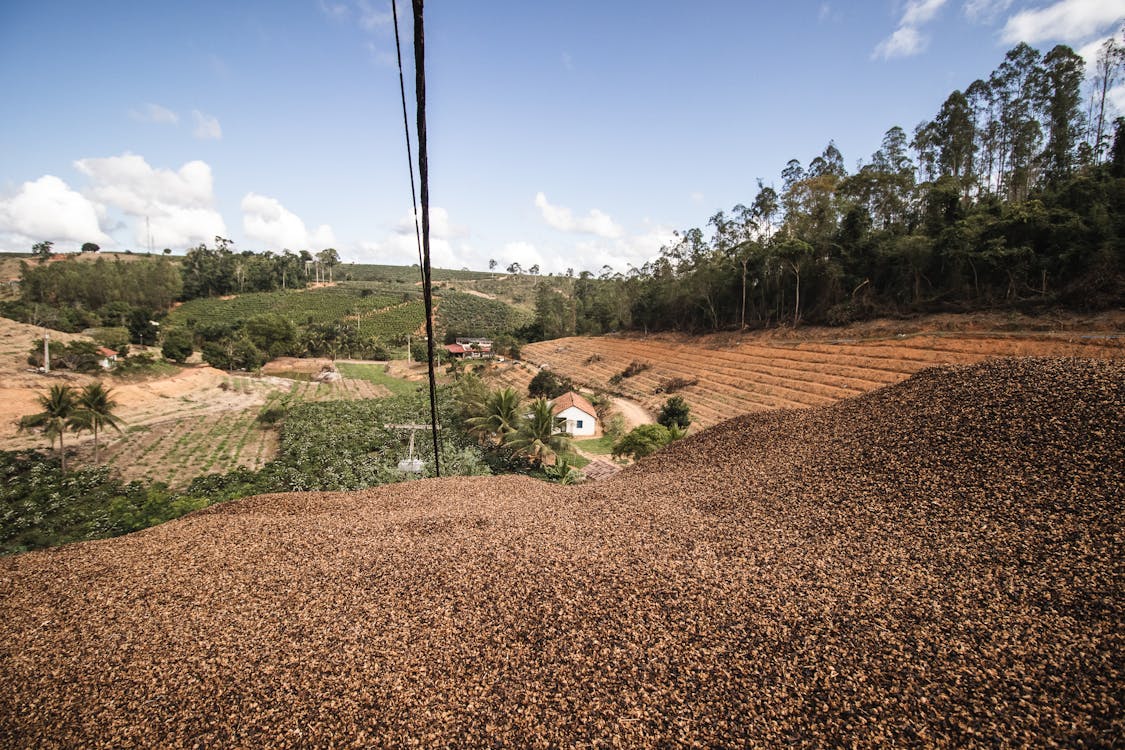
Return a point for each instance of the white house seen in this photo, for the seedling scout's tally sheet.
(108, 357)
(581, 418)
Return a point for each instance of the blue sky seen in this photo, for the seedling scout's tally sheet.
(568, 134)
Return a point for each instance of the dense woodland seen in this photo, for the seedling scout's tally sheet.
(1013, 195)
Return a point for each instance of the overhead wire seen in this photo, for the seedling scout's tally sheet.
(423, 177)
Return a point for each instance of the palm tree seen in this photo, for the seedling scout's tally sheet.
(95, 410)
(540, 435)
(500, 417)
(58, 415)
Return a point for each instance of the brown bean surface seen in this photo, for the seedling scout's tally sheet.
(934, 563)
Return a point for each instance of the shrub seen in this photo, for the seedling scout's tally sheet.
(671, 385)
(634, 368)
(643, 441)
(177, 345)
(547, 384)
(675, 412)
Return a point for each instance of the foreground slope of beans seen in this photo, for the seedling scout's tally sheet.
(938, 562)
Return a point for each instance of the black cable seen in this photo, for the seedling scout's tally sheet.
(406, 129)
(423, 176)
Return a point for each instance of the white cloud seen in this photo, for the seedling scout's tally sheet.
(206, 126)
(907, 40)
(985, 11)
(266, 220)
(154, 113)
(48, 209)
(919, 12)
(372, 18)
(596, 222)
(1065, 20)
(178, 205)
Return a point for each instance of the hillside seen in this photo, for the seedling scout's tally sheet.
(757, 371)
(937, 562)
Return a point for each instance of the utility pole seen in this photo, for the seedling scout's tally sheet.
(46, 352)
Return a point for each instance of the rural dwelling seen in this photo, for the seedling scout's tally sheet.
(470, 349)
(581, 418)
(108, 358)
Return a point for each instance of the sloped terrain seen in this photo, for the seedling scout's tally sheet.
(726, 374)
(938, 562)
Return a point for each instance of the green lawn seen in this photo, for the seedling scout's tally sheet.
(377, 374)
(602, 446)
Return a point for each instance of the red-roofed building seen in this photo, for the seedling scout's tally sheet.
(580, 415)
(109, 357)
(470, 349)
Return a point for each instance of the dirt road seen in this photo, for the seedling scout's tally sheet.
(634, 413)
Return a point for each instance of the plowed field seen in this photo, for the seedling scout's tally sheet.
(739, 375)
(937, 563)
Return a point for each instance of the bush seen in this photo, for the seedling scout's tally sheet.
(634, 368)
(644, 441)
(135, 364)
(671, 385)
(546, 384)
(675, 412)
(116, 337)
(177, 345)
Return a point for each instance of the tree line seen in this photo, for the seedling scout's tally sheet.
(1012, 196)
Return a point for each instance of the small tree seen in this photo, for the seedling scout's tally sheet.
(540, 435)
(58, 415)
(90, 247)
(42, 250)
(675, 412)
(546, 384)
(177, 345)
(500, 416)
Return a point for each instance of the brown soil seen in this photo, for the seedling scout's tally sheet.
(757, 371)
(935, 563)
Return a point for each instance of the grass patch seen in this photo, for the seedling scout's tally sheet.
(602, 446)
(575, 460)
(377, 374)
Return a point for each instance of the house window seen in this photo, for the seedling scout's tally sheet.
(578, 424)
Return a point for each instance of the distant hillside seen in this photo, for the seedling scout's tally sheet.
(936, 563)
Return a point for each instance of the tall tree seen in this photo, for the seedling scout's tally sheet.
(94, 410)
(1017, 82)
(1107, 68)
(59, 406)
(1061, 102)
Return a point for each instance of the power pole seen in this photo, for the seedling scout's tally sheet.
(46, 352)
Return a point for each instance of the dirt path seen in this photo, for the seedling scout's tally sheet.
(634, 413)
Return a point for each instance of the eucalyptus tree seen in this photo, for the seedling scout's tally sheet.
(1016, 83)
(1061, 103)
(1107, 69)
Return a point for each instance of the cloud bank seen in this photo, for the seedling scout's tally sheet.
(177, 205)
(48, 209)
(595, 222)
(266, 220)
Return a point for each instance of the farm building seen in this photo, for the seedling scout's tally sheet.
(581, 418)
(470, 349)
(108, 358)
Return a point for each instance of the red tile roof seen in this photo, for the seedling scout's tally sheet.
(569, 399)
